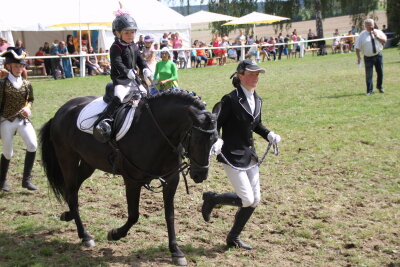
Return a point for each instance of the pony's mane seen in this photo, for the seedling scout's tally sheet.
(184, 95)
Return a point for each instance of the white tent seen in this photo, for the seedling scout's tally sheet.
(32, 24)
(205, 16)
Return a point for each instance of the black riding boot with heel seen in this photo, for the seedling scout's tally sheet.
(241, 218)
(3, 173)
(211, 199)
(102, 128)
(28, 165)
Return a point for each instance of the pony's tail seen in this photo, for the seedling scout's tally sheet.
(50, 162)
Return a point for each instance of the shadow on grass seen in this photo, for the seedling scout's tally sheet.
(345, 95)
(39, 250)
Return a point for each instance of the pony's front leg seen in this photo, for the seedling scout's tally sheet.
(133, 197)
(178, 257)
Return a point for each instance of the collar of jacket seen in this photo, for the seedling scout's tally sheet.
(243, 102)
(121, 42)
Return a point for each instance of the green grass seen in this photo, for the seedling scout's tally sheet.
(331, 198)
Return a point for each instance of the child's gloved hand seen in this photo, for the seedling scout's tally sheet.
(131, 75)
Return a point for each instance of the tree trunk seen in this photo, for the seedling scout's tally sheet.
(318, 19)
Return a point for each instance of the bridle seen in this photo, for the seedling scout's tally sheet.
(186, 142)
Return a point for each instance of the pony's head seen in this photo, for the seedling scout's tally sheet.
(202, 136)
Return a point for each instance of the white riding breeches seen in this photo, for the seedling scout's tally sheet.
(246, 184)
(8, 130)
(121, 91)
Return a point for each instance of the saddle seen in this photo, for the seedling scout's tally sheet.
(123, 117)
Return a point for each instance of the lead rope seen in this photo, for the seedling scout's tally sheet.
(276, 152)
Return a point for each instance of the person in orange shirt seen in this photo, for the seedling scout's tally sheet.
(201, 55)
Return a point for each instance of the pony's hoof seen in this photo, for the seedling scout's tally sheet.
(179, 261)
(89, 243)
(111, 235)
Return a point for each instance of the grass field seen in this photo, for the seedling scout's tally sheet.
(331, 198)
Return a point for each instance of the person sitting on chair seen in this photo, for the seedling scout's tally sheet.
(125, 56)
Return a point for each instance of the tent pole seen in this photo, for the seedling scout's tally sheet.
(81, 59)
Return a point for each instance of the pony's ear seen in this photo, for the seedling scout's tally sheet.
(216, 109)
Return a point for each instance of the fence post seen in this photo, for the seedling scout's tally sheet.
(82, 65)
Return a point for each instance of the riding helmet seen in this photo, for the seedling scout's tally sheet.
(123, 22)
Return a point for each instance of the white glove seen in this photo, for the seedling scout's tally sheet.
(216, 147)
(27, 110)
(147, 73)
(131, 75)
(273, 138)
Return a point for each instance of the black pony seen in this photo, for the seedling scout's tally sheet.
(167, 127)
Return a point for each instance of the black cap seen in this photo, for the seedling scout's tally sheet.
(14, 55)
(249, 65)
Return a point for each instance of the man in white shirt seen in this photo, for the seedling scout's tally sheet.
(371, 42)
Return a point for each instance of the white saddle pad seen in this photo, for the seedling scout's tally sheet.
(89, 115)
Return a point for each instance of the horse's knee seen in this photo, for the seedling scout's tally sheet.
(66, 216)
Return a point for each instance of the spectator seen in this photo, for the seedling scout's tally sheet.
(201, 55)
(56, 66)
(104, 62)
(166, 72)
(176, 44)
(19, 44)
(140, 44)
(271, 47)
(47, 61)
(72, 51)
(337, 43)
(310, 36)
(92, 62)
(193, 55)
(39, 62)
(370, 43)
(164, 40)
(280, 40)
(148, 53)
(216, 42)
(158, 54)
(224, 51)
(290, 46)
(353, 30)
(66, 61)
(3, 45)
(384, 29)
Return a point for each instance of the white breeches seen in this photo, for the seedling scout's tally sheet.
(8, 130)
(121, 91)
(246, 184)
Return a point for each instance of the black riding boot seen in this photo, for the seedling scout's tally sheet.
(241, 218)
(102, 128)
(27, 178)
(3, 173)
(211, 199)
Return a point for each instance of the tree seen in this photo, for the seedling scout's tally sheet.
(393, 11)
(320, 9)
